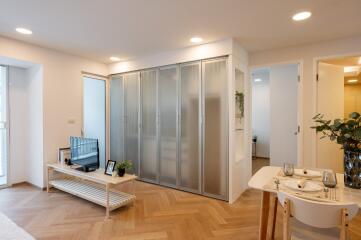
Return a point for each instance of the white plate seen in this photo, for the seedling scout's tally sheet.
(310, 173)
(309, 186)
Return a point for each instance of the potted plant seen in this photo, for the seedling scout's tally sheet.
(240, 102)
(347, 133)
(122, 166)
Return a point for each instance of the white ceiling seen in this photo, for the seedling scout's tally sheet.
(98, 29)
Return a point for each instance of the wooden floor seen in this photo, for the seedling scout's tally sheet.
(159, 213)
(258, 163)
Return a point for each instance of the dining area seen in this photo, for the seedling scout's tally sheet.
(315, 203)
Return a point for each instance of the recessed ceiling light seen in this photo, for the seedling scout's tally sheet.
(301, 16)
(114, 59)
(258, 80)
(350, 69)
(24, 31)
(196, 39)
(352, 81)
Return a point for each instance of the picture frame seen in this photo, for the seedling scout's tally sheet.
(110, 167)
(64, 155)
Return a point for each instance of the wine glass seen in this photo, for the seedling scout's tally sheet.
(329, 179)
(288, 169)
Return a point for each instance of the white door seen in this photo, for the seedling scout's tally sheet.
(94, 91)
(3, 128)
(330, 102)
(283, 114)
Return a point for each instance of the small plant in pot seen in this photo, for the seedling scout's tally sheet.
(122, 166)
(347, 133)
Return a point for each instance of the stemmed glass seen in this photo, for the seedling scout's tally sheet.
(330, 181)
(288, 169)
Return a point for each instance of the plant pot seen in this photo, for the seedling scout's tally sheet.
(352, 166)
(121, 172)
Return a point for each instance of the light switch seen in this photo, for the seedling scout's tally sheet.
(71, 121)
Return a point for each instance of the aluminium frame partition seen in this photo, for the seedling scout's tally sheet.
(191, 105)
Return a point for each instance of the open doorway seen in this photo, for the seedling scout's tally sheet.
(338, 95)
(275, 113)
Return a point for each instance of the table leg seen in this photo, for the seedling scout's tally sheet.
(133, 191)
(107, 201)
(274, 217)
(48, 179)
(264, 215)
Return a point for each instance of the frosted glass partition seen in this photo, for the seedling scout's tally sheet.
(190, 158)
(215, 162)
(168, 78)
(172, 122)
(148, 157)
(131, 119)
(117, 118)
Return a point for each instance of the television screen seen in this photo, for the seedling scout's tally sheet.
(84, 151)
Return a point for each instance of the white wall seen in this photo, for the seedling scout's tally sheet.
(35, 124)
(26, 125)
(261, 112)
(307, 54)
(18, 125)
(61, 97)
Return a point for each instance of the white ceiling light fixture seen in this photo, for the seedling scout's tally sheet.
(196, 40)
(352, 81)
(301, 16)
(114, 59)
(258, 80)
(24, 31)
(351, 69)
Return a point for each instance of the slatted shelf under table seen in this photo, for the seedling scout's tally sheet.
(92, 186)
(92, 192)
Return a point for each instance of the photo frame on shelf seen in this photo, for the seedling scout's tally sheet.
(64, 155)
(110, 167)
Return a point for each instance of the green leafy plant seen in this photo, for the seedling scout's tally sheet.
(346, 132)
(127, 165)
(240, 102)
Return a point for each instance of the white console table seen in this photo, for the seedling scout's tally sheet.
(92, 186)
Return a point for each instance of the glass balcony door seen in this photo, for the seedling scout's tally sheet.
(3, 127)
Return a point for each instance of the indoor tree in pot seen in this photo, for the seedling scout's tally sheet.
(347, 133)
(122, 166)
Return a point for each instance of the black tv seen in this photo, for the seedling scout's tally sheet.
(84, 153)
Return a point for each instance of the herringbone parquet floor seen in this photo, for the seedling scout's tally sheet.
(159, 213)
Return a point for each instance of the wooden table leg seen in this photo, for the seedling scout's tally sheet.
(274, 217)
(264, 215)
(107, 201)
(48, 179)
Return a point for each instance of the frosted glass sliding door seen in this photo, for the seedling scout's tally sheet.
(168, 78)
(215, 159)
(189, 146)
(149, 153)
(117, 118)
(131, 119)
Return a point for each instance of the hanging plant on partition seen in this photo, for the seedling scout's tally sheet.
(240, 103)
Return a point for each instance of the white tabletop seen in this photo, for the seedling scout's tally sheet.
(263, 176)
(96, 176)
